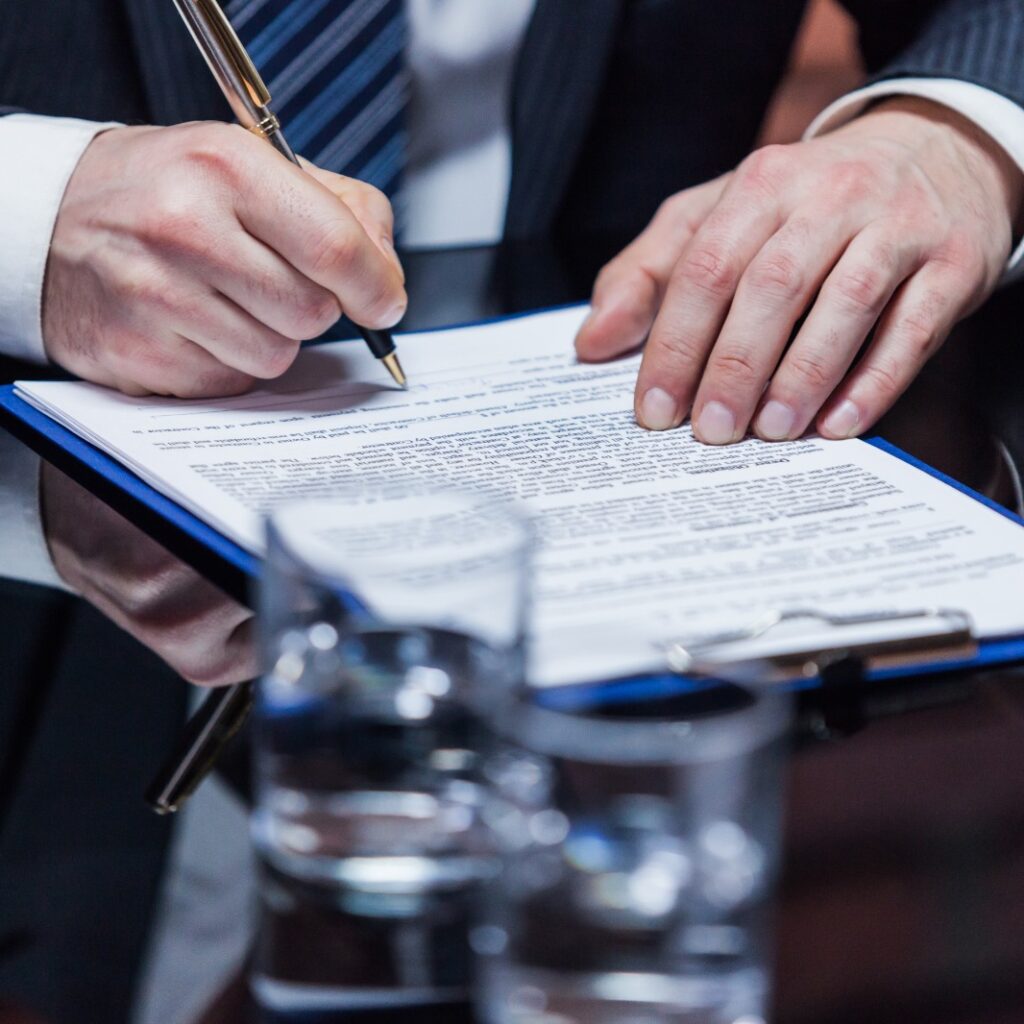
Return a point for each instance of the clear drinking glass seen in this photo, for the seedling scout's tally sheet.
(639, 861)
(389, 616)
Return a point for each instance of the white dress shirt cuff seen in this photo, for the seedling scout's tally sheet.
(24, 553)
(997, 116)
(38, 157)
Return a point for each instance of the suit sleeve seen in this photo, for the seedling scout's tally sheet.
(976, 41)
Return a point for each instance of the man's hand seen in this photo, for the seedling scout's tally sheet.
(190, 260)
(891, 228)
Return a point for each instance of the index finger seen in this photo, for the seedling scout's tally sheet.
(696, 302)
(307, 225)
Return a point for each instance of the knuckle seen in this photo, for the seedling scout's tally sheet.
(315, 315)
(919, 333)
(213, 151)
(708, 269)
(375, 199)
(140, 287)
(677, 214)
(809, 371)
(366, 197)
(334, 249)
(276, 356)
(959, 252)
(862, 289)
(174, 219)
(160, 370)
(885, 258)
(780, 274)
(670, 208)
(885, 378)
(765, 169)
(677, 348)
(120, 347)
(736, 368)
(140, 594)
(851, 180)
(221, 382)
(801, 229)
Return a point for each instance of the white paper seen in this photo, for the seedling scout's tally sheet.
(647, 538)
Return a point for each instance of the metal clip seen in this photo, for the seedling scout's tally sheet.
(708, 655)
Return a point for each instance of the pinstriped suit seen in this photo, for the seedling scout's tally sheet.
(617, 103)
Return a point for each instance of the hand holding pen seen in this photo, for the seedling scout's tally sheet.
(249, 99)
(193, 260)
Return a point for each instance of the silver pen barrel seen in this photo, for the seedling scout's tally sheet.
(232, 67)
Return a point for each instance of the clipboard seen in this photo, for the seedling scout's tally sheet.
(229, 566)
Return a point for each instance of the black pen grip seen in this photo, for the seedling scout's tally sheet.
(380, 343)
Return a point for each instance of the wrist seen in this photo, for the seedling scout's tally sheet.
(987, 159)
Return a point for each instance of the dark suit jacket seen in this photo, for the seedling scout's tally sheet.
(617, 103)
(86, 717)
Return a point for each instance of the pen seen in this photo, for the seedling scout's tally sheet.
(250, 101)
(206, 734)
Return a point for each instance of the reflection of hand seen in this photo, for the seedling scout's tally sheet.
(189, 260)
(899, 223)
(193, 626)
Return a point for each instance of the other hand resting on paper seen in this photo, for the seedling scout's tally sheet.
(190, 260)
(200, 632)
(892, 228)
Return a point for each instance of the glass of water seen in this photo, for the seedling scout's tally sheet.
(391, 617)
(639, 860)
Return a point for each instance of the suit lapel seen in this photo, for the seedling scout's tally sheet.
(178, 85)
(557, 83)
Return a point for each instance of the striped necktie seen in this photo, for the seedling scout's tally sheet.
(337, 73)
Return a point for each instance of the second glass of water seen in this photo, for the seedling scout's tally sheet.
(640, 854)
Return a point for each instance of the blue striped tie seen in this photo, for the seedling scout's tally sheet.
(337, 73)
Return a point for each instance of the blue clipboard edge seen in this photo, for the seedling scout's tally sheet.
(222, 561)
(205, 549)
(235, 571)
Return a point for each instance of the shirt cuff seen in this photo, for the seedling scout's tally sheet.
(997, 116)
(24, 553)
(39, 155)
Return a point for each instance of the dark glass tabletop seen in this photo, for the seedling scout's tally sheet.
(903, 890)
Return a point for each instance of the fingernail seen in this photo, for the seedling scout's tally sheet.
(658, 410)
(776, 421)
(844, 420)
(716, 424)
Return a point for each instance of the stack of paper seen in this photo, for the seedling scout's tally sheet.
(646, 538)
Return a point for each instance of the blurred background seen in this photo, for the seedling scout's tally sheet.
(825, 64)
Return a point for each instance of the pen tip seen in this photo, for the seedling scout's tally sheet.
(396, 371)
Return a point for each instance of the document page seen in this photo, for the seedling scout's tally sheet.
(646, 539)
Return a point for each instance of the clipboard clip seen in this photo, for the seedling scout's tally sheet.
(946, 634)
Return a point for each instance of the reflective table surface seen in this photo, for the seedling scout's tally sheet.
(903, 890)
